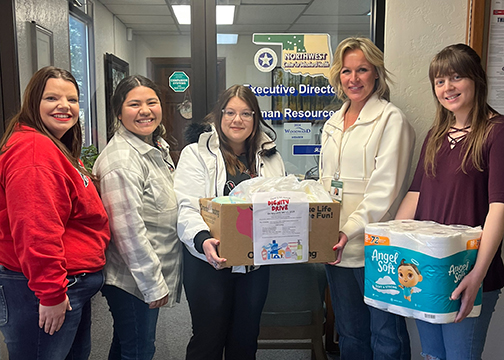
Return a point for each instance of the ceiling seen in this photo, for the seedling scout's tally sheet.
(336, 17)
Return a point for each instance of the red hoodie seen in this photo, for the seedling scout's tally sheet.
(52, 221)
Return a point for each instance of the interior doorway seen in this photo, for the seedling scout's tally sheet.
(176, 117)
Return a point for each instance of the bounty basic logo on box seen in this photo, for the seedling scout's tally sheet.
(412, 267)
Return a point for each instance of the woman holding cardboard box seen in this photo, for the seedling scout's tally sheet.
(225, 303)
(365, 158)
(459, 181)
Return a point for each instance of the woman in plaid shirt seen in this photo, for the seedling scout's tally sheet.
(144, 258)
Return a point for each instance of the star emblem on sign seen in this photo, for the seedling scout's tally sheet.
(265, 59)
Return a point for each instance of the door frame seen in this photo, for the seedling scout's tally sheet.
(204, 56)
(10, 95)
(154, 64)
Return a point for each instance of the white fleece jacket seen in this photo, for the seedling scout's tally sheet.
(372, 158)
(201, 173)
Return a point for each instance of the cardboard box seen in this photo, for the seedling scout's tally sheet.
(232, 225)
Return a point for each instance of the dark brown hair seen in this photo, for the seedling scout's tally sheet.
(70, 143)
(121, 92)
(252, 142)
(409, 264)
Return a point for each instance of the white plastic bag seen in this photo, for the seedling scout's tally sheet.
(313, 189)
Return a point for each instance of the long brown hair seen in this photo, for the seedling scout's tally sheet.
(252, 143)
(372, 54)
(465, 62)
(70, 143)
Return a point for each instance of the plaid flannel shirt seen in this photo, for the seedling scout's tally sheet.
(145, 256)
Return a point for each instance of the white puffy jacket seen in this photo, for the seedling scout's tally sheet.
(201, 173)
(373, 159)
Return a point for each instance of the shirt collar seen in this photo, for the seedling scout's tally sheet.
(138, 144)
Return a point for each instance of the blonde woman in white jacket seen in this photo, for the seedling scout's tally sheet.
(225, 303)
(365, 157)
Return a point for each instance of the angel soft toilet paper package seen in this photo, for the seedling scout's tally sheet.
(412, 267)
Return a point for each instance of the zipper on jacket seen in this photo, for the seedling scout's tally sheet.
(216, 165)
(259, 164)
(337, 173)
(170, 166)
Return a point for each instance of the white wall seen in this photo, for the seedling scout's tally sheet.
(414, 33)
(159, 46)
(110, 37)
(143, 50)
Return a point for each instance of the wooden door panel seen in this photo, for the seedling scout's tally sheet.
(160, 70)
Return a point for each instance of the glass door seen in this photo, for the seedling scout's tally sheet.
(282, 50)
(151, 38)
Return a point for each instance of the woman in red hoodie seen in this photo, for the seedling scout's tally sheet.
(53, 227)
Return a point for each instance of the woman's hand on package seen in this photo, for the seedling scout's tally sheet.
(51, 318)
(158, 303)
(343, 239)
(466, 291)
(210, 249)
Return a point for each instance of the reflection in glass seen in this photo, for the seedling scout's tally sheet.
(80, 70)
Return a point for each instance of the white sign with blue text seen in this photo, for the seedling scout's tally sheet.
(297, 131)
(280, 227)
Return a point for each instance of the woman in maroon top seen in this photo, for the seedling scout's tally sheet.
(460, 180)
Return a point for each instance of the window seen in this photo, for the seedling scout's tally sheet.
(82, 68)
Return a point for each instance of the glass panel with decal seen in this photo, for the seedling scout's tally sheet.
(283, 49)
(150, 38)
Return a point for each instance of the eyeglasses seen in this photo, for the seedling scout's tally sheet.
(230, 115)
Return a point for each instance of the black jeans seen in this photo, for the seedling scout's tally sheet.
(225, 310)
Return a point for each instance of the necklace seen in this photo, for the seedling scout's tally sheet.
(453, 140)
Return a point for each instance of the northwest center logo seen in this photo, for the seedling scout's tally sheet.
(301, 54)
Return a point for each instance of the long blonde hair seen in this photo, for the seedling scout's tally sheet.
(465, 62)
(372, 54)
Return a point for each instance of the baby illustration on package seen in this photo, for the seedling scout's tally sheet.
(409, 277)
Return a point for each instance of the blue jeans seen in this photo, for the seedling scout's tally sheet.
(365, 333)
(19, 318)
(458, 341)
(134, 325)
